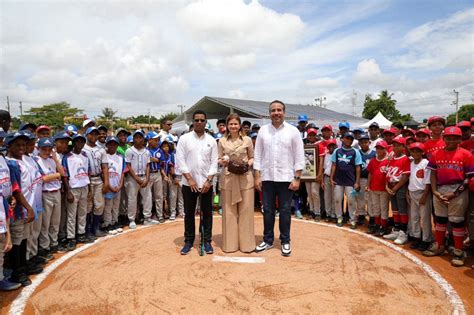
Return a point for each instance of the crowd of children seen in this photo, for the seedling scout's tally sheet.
(76, 185)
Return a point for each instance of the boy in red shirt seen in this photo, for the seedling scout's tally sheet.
(398, 172)
(422, 135)
(467, 138)
(378, 196)
(436, 125)
(451, 169)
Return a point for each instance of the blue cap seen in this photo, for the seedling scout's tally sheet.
(253, 135)
(26, 125)
(112, 139)
(349, 135)
(138, 132)
(358, 129)
(45, 143)
(255, 126)
(61, 135)
(218, 135)
(302, 118)
(30, 135)
(91, 129)
(364, 135)
(130, 139)
(344, 124)
(70, 128)
(152, 135)
(78, 136)
(15, 135)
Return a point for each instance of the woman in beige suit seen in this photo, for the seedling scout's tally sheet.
(237, 190)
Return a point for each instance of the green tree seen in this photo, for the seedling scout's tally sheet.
(169, 116)
(384, 103)
(465, 113)
(51, 114)
(144, 119)
(108, 114)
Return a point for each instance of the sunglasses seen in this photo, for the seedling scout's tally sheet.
(169, 124)
(199, 120)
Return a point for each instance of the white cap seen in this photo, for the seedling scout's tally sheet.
(86, 122)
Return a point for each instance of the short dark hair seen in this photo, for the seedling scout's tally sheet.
(247, 123)
(221, 121)
(399, 125)
(199, 112)
(278, 102)
(4, 116)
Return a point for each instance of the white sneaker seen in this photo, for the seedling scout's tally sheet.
(286, 250)
(402, 238)
(263, 247)
(113, 232)
(392, 236)
(151, 222)
(119, 230)
(132, 225)
(172, 217)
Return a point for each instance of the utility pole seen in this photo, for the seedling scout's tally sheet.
(21, 109)
(8, 104)
(456, 102)
(320, 100)
(149, 118)
(353, 99)
(181, 107)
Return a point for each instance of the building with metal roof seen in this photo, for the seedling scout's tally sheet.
(257, 112)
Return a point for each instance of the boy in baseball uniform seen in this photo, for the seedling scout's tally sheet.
(156, 182)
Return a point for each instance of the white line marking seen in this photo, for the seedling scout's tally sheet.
(245, 260)
(18, 305)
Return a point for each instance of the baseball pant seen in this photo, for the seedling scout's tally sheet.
(339, 197)
(456, 210)
(62, 234)
(312, 188)
(420, 216)
(237, 222)
(272, 190)
(123, 210)
(176, 199)
(32, 232)
(96, 203)
(111, 209)
(156, 187)
(17, 231)
(329, 198)
(362, 199)
(77, 212)
(133, 189)
(190, 201)
(470, 216)
(380, 200)
(51, 216)
(3, 241)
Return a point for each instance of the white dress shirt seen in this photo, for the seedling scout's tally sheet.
(197, 156)
(279, 153)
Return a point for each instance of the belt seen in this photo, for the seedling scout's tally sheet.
(95, 175)
(155, 171)
(50, 191)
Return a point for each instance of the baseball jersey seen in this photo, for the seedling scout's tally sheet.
(432, 146)
(452, 167)
(138, 160)
(5, 193)
(167, 161)
(322, 146)
(48, 166)
(378, 169)
(397, 166)
(346, 161)
(97, 156)
(327, 163)
(366, 157)
(468, 145)
(77, 169)
(157, 154)
(21, 180)
(117, 167)
(418, 175)
(36, 201)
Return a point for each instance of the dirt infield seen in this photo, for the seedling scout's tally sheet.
(331, 270)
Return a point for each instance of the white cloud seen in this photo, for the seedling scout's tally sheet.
(324, 82)
(236, 93)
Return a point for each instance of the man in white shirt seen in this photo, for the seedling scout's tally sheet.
(278, 162)
(196, 158)
(165, 129)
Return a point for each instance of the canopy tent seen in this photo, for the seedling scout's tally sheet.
(380, 119)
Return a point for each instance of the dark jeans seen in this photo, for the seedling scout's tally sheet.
(270, 192)
(190, 200)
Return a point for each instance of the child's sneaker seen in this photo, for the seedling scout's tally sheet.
(353, 225)
(402, 238)
(6, 285)
(172, 217)
(392, 236)
(298, 214)
(339, 222)
(132, 225)
(434, 250)
(458, 258)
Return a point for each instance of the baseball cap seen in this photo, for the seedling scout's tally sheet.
(61, 135)
(452, 131)
(30, 135)
(400, 140)
(102, 127)
(424, 130)
(390, 130)
(253, 135)
(45, 142)
(138, 132)
(112, 139)
(302, 118)
(78, 136)
(374, 124)
(2, 133)
(45, 127)
(464, 124)
(326, 127)
(87, 121)
(122, 130)
(349, 135)
(408, 130)
(382, 144)
(331, 141)
(344, 124)
(436, 118)
(9, 138)
(311, 130)
(255, 126)
(91, 129)
(152, 135)
(130, 139)
(70, 128)
(358, 129)
(26, 125)
(417, 145)
(365, 136)
(311, 125)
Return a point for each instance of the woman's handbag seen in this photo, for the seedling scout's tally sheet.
(237, 168)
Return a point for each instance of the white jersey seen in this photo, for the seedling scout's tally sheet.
(419, 175)
(100, 144)
(36, 199)
(26, 180)
(327, 163)
(5, 180)
(77, 169)
(116, 168)
(138, 160)
(97, 156)
(48, 166)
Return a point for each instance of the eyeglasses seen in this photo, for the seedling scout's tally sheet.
(199, 120)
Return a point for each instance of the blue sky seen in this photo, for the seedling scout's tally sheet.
(155, 55)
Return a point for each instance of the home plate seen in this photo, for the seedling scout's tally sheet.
(244, 260)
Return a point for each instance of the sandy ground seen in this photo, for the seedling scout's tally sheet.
(330, 271)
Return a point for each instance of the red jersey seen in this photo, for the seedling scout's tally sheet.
(468, 145)
(452, 167)
(432, 146)
(377, 170)
(397, 166)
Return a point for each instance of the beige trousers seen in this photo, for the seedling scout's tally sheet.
(77, 212)
(96, 204)
(32, 232)
(51, 217)
(237, 222)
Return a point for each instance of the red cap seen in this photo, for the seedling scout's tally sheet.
(409, 138)
(436, 118)
(311, 130)
(391, 130)
(417, 145)
(424, 130)
(472, 120)
(43, 127)
(326, 127)
(452, 131)
(331, 141)
(400, 140)
(382, 144)
(409, 130)
(464, 124)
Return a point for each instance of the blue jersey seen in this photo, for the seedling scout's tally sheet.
(346, 161)
(366, 157)
(167, 161)
(157, 154)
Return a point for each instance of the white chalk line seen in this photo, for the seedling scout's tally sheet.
(19, 304)
(244, 260)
